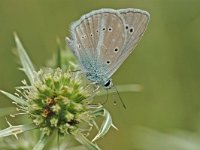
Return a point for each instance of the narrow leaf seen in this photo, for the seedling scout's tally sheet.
(42, 142)
(129, 88)
(107, 123)
(14, 130)
(124, 88)
(83, 140)
(28, 127)
(15, 98)
(25, 60)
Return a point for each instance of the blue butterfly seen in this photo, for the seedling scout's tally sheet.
(102, 39)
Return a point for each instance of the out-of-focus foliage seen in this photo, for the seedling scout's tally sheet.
(148, 139)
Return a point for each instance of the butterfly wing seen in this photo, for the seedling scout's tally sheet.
(97, 39)
(136, 21)
(103, 39)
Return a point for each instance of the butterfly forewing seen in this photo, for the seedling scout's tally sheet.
(100, 35)
(135, 25)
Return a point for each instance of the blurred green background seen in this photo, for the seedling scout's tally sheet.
(166, 62)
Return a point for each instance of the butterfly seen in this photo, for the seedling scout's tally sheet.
(102, 39)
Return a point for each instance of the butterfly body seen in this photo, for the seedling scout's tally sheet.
(95, 71)
(102, 39)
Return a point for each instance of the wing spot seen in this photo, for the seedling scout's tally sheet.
(126, 27)
(84, 36)
(110, 29)
(91, 35)
(104, 29)
(131, 30)
(79, 46)
(116, 49)
(97, 31)
(108, 62)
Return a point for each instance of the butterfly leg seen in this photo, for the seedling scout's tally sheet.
(75, 71)
(94, 89)
(106, 98)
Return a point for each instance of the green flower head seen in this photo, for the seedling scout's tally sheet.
(58, 100)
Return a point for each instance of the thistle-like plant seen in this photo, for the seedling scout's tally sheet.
(58, 103)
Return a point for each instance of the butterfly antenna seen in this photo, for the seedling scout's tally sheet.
(106, 97)
(123, 104)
